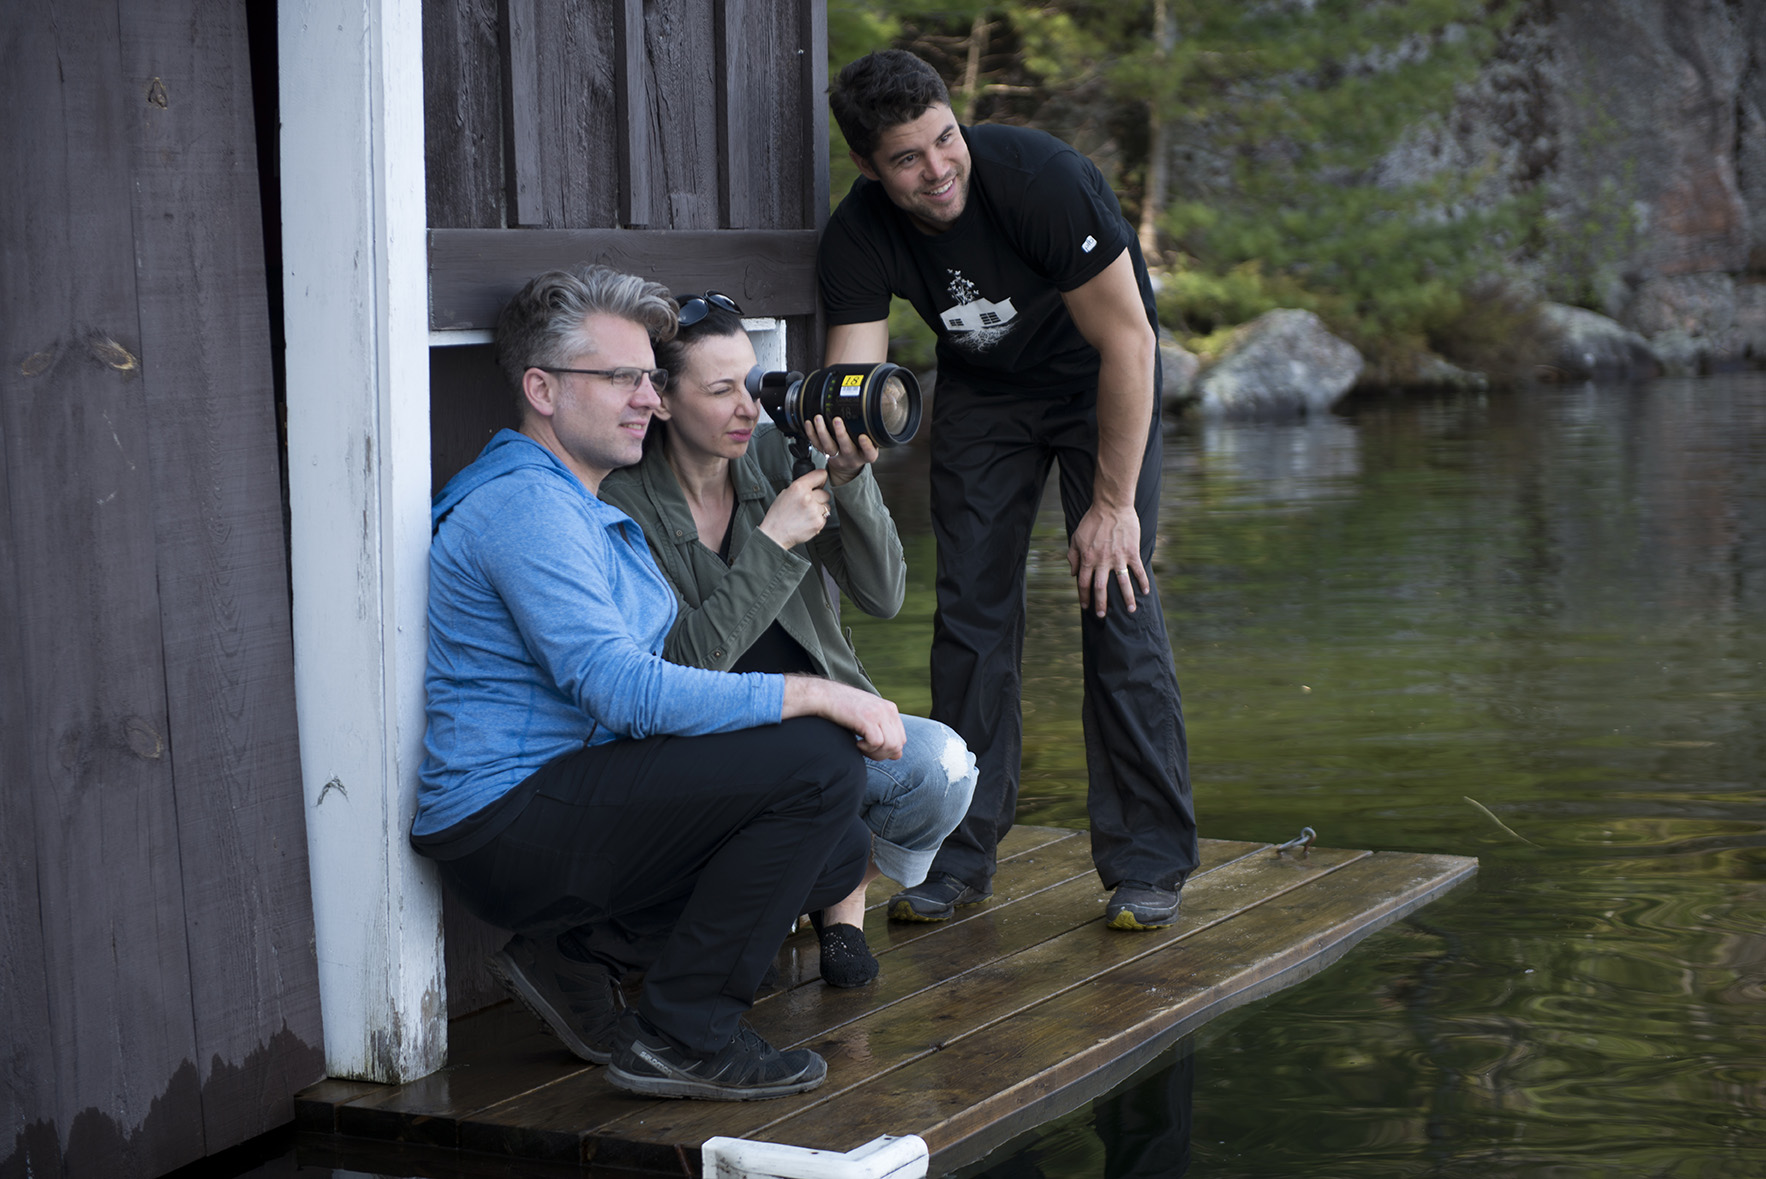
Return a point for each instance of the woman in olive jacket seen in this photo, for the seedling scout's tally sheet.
(746, 546)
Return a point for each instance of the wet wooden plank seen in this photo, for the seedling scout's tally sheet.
(316, 1106)
(551, 1122)
(430, 1109)
(1047, 1049)
(1042, 892)
(1049, 944)
(1028, 992)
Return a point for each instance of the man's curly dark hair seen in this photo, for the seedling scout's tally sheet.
(882, 90)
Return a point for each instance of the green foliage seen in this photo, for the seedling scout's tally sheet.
(1284, 110)
(1200, 301)
(854, 29)
(1306, 105)
(1497, 330)
(911, 342)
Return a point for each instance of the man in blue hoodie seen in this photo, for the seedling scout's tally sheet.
(615, 810)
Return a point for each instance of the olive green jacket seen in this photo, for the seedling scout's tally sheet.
(723, 609)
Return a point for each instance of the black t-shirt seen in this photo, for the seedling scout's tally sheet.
(1039, 221)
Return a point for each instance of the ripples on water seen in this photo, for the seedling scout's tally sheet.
(1549, 602)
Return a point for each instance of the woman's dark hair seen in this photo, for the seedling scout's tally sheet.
(882, 90)
(671, 353)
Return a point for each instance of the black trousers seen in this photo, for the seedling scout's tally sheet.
(687, 857)
(991, 457)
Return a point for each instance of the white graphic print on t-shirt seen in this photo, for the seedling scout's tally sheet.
(983, 323)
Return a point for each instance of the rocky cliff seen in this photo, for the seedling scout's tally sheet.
(1641, 126)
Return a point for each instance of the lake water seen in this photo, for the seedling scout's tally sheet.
(1522, 626)
(1525, 627)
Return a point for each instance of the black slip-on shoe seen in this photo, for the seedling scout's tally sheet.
(935, 898)
(746, 1069)
(1138, 905)
(846, 960)
(577, 1001)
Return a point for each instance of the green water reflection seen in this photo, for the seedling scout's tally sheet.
(1523, 627)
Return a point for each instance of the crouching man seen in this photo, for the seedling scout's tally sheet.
(615, 810)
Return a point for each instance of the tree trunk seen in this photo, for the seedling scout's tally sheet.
(1153, 194)
(972, 68)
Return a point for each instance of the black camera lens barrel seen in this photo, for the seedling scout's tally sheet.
(880, 400)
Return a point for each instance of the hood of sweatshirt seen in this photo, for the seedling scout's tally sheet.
(508, 451)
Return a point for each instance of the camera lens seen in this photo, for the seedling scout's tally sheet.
(879, 400)
(892, 405)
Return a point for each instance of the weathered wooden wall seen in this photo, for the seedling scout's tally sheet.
(157, 978)
(685, 140)
(597, 130)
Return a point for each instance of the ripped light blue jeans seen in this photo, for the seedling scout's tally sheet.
(911, 804)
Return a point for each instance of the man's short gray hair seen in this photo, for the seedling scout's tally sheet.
(542, 326)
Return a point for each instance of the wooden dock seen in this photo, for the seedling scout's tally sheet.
(978, 1029)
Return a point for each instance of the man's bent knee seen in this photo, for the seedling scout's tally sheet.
(822, 752)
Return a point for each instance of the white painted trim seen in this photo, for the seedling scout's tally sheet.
(355, 286)
(768, 337)
(880, 1158)
(455, 339)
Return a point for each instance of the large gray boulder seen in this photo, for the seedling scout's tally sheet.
(1584, 345)
(1699, 323)
(1178, 367)
(1281, 364)
(1750, 322)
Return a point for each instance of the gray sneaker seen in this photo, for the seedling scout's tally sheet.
(1138, 905)
(746, 1069)
(577, 1001)
(935, 899)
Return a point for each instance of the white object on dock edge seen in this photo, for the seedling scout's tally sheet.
(888, 1157)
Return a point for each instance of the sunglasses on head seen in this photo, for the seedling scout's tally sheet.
(698, 307)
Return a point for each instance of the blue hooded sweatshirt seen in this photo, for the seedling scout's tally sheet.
(547, 616)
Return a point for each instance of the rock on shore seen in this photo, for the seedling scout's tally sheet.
(1178, 367)
(1281, 364)
(1584, 345)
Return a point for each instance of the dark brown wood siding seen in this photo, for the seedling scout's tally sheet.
(157, 977)
(685, 140)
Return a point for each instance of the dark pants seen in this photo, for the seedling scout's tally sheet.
(687, 857)
(990, 461)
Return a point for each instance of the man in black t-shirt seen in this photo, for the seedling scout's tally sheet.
(1014, 250)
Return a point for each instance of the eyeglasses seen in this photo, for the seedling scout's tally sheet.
(626, 380)
(699, 306)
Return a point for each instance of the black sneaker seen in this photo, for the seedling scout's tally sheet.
(577, 1001)
(746, 1069)
(1138, 905)
(935, 898)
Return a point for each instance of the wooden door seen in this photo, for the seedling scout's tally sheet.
(157, 978)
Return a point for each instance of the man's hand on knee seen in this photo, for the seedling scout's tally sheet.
(1105, 548)
(876, 722)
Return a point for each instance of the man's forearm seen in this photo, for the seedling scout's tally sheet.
(1125, 413)
(872, 719)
